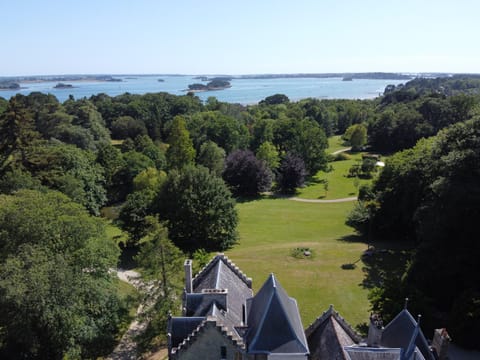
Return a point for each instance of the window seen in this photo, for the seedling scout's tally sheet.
(223, 352)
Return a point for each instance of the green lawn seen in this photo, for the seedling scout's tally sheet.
(339, 185)
(335, 143)
(270, 228)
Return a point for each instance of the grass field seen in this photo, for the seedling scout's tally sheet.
(339, 185)
(271, 228)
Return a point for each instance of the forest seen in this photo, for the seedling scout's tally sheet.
(173, 169)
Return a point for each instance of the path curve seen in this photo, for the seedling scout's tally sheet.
(341, 150)
(319, 201)
(331, 201)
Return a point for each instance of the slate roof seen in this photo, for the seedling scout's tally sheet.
(274, 324)
(367, 353)
(209, 322)
(399, 332)
(181, 327)
(328, 335)
(222, 274)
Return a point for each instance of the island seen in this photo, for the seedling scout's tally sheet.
(215, 84)
(8, 85)
(347, 78)
(63, 86)
(161, 80)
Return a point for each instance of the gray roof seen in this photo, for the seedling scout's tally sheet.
(328, 335)
(220, 274)
(368, 353)
(400, 331)
(181, 327)
(274, 324)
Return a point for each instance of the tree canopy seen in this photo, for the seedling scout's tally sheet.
(57, 297)
(199, 210)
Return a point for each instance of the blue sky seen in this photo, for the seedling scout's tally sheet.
(238, 37)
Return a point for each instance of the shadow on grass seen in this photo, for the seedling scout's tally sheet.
(354, 238)
(383, 263)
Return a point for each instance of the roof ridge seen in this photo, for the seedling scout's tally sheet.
(340, 320)
(234, 268)
(210, 320)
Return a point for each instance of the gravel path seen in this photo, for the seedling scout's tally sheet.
(127, 347)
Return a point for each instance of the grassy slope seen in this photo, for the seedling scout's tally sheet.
(339, 185)
(270, 228)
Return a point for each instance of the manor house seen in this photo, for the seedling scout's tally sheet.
(223, 319)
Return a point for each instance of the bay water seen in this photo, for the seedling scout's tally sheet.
(243, 91)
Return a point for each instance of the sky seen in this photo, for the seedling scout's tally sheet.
(238, 36)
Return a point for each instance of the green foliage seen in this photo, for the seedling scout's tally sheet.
(305, 139)
(180, 152)
(225, 131)
(57, 297)
(161, 262)
(127, 127)
(430, 194)
(212, 157)
(356, 135)
(68, 169)
(275, 100)
(199, 210)
(269, 153)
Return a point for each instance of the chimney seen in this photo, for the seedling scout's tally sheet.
(440, 342)
(188, 276)
(375, 331)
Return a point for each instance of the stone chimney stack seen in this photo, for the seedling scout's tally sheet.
(375, 330)
(440, 342)
(188, 276)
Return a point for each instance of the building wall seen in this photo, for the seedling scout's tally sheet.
(207, 346)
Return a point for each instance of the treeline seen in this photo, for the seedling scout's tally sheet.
(428, 195)
(167, 163)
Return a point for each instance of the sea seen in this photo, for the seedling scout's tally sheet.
(243, 91)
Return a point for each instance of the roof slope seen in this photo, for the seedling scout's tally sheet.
(328, 335)
(361, 353)
(399, 332)
(221, 274)
(274, 322)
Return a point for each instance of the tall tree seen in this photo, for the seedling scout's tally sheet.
(180, 152)
(57, 296)
(199, 210)
(269, 153)
(245, 174)
(212, 157)
(291, 173)
(161, 261)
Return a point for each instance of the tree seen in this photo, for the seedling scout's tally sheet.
(212, 157)
(180, 152)
(275, 100)
(245, 174)
(68, 169)
(127, 127)
(269, 153)
(161, 261)
(291, 173)
(199, 210)
(429, 195)
(17, 130)
(57, 295)
(145, 145)
(357, 136)
(304, 138)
